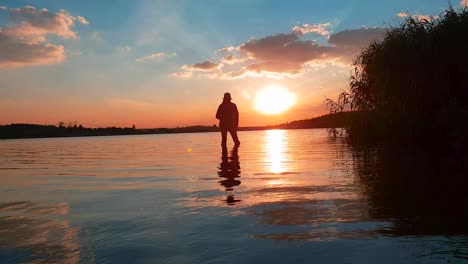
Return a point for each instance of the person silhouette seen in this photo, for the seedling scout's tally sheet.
(229, 169)
(228, 116)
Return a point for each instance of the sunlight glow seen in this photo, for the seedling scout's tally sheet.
(274, 99)
(277, 182)
(276, 145)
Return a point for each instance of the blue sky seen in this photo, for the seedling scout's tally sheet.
(142, 62)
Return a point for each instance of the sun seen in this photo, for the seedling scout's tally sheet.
(274, 99)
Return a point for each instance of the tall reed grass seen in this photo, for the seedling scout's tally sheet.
(412, 85)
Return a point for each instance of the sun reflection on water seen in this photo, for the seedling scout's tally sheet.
(276, 145)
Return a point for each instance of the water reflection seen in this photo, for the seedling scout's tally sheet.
(229, 169)
(299, 188)
(423, 192)
(276, 143)
(29, 226)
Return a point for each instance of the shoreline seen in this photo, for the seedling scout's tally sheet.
(166, 133)
(23, 131)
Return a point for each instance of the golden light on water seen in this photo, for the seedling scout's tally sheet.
(274, 99)
(276, 144)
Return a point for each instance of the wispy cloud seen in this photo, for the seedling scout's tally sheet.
(124, 49)
(3, 8)
(82, 20)
(24, 41)
(182, 74)
(419, 17)
(228, 49)
(187, 70)
(156, 56)
(320, 29)
(203, 66)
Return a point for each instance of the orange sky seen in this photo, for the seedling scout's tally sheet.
(168, 63)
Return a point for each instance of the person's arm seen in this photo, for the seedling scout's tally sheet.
(219, 113)
(236, 116)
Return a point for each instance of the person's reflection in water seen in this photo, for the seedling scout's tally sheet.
(229, 169)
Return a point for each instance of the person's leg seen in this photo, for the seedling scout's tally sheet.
(233, 133)
(223, 136)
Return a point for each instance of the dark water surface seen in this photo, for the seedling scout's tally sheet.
(294, 196)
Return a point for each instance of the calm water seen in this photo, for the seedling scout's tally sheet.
(293, 196)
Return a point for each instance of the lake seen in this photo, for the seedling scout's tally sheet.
(296, 196)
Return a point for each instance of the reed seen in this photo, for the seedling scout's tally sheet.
(412, 85)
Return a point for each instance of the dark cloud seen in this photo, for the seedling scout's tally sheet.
(283, 48)
(288, 53)
(283, 53)
(203, 66)
(15, 52)
(356, 38)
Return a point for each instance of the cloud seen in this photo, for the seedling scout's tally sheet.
(202, 66)
(208, 67)
(182, 74)
(229, 49)
(125, 49)
(356, 38)
(282, 53)
(286, 54)
(82, 20)
(464, 3)
(282, 48)
(3, 8)
(24, 41)
(402, 14)
(418, 17)
(18, 53)
(319, 29)
(231, 59)
(32, 21)
(155, 56)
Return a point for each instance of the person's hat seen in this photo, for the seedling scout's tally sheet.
(227, 96)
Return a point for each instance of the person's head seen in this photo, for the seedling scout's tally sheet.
(227, 97)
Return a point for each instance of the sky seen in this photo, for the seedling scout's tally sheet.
(168, 63)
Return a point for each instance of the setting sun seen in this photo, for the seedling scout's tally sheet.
(274, 100)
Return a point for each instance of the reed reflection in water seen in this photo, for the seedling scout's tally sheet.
(300, 197)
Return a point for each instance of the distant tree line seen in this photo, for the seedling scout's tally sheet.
(33, 131)
(37, 131)
(72, 129)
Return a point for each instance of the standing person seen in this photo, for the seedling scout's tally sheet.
(228, 119)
